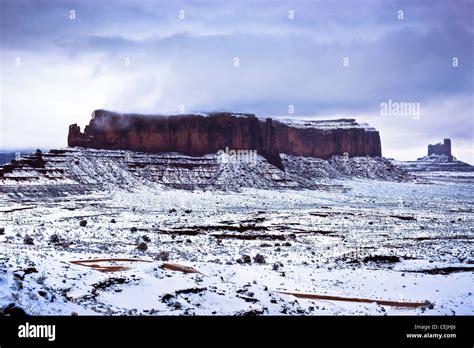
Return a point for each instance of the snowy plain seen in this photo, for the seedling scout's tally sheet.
(351, 237)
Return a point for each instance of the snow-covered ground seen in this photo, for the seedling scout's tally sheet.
(357, 238)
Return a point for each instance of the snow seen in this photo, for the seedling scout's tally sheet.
(82, 171)
(344, 123)
(348, 214)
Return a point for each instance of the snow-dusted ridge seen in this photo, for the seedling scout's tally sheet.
(86, 169)
(343, 123)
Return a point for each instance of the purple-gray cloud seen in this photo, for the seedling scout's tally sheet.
(139, 56)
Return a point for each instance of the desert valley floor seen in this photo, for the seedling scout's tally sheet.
(206, 252)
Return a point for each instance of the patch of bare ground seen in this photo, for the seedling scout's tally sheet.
(179, 268)
(355, 299)
(442, 270)
(96, 264)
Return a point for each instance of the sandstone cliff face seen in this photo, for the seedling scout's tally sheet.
(326, 142)
(193, 135)
(197, 135)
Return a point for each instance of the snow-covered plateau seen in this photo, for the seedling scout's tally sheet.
(114, 232)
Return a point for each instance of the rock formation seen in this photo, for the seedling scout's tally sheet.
(440, 149)
(34, 160)
(323, 139)
(196, 135)
(80, 171)
(439, 159)
(193, 135)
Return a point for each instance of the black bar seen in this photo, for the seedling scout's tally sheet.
(288, 331)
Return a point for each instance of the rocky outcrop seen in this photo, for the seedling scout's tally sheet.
(435, 163)
(34, 160)
(78, 171)
(193, 135)
(196, 135)
(439, 159)
(440, 149)
(323, 139)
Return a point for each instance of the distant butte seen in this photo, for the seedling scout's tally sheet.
(441, 149)
(439, 159)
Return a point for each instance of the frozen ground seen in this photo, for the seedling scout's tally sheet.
(359, 238)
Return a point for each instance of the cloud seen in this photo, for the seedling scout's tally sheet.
(138, 56)
(407, 137)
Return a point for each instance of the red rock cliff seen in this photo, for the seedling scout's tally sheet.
(197, 135)
(193, 135)
(323, 139)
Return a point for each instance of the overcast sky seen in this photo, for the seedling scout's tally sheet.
(60, 60)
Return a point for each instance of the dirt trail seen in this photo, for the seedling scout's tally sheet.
(354, 299)
(104, 268)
